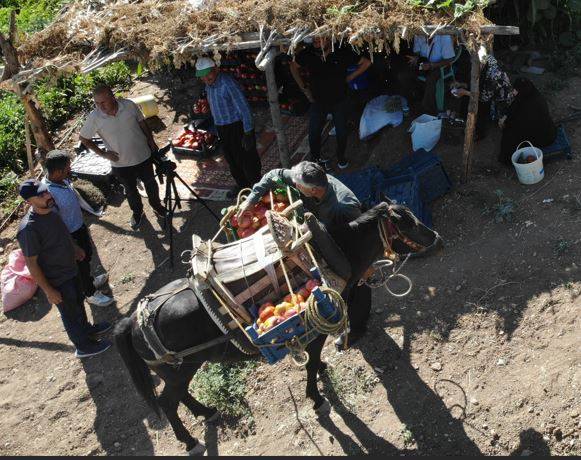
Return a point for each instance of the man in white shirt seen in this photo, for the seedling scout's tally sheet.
(129, 143)
(430, 54)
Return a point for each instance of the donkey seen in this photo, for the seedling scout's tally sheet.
(182, 322)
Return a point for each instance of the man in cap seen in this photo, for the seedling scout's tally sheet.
(323, 195)
(130, 145)
(335, 206)
(58, 166)
(51, 256)
(234, 122)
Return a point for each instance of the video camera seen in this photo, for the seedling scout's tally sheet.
(163, 165)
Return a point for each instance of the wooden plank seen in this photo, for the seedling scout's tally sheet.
(29, 157)
(281, 140)
(472, 115)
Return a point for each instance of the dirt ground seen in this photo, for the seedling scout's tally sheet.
(482, 357)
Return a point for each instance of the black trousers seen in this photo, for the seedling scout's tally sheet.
(245, 165)
(359, 308)
(83, 240)
(128, 176)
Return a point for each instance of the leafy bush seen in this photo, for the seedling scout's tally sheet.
(34, 15)
(9, 197)
(12, 141)
(223, 386)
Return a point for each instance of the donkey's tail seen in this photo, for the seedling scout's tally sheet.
(137, 367)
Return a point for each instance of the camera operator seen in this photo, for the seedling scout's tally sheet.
(130, 145)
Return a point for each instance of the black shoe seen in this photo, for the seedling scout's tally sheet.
(93, 349)
(99, 330)
(135, 221)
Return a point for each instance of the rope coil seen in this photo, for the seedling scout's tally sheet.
(321, 324)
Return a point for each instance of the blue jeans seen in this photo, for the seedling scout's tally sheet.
(317, 117)
(73, 314)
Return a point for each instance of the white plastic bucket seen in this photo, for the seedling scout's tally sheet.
(528, 173)
(147, 104)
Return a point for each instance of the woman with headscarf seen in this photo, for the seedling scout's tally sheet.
(495, 90)
(528, 120)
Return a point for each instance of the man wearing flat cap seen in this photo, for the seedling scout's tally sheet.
(51, 257)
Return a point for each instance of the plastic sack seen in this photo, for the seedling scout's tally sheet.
(15, 282)
(375, 116)
(426, 131)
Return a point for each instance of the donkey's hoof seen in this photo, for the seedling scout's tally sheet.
(324, 409)
(198, 450)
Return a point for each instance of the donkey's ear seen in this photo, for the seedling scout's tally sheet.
(384, 198)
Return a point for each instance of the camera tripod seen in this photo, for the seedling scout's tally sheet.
(172, 200)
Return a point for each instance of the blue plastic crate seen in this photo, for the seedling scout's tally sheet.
(278, 335)
(433, 179)
(405, 190)
(364, 184)
(560, 147)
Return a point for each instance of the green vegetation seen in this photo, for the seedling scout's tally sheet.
(33, 15)
(223, 386)
(458, 8)
(9, 197)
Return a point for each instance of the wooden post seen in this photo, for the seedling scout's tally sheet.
(281, 140)
(9, 53)
(472, 114)
(38, 125)
(28, 147)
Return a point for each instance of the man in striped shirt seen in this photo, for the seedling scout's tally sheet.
(233, 119)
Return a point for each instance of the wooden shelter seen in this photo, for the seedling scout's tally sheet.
(159, 32)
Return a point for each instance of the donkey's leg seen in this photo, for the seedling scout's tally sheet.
(197, 408)
(169, 400)
(321, 406)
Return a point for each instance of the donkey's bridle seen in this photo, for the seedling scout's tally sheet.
(389, 232)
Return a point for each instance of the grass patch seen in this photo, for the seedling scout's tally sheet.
(9, 198)
(223, 386)
(561, 247)
(503, 209)
(127, 278)
(32, 16)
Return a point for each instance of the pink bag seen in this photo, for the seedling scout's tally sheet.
(15, 282)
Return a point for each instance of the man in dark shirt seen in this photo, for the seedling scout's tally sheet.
(334, 205)
(51, 256)
(328, 91)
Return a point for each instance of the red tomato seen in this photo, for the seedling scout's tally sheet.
(245, 220)
(266, 199)
(311, 284)
(255, 222)
(280, 207)
(234, 221)
(244, 232)
(260, 211)
(281, 197)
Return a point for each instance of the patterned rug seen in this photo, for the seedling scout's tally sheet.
(211, 178)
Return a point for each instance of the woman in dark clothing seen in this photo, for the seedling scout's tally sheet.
(528, 119)
(495, 90)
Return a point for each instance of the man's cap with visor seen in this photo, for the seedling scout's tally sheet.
(204, 66)
(31, 188)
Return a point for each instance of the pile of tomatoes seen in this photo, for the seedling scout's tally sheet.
(202, 107)
(270, 315)
(255, 218)
(196, 140)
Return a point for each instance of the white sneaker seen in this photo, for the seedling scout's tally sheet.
(99, 299)
(100, 280)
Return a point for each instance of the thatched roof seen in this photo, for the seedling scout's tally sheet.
(157, 31)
